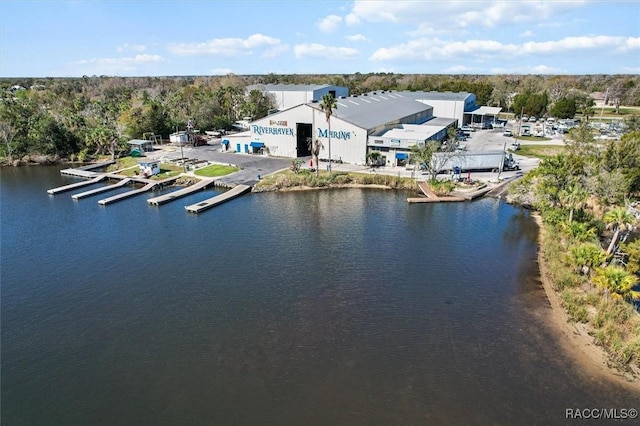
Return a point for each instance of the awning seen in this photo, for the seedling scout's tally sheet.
(401, 155)
(256, 144)
(225, 141)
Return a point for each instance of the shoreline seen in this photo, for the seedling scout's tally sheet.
(574, 338)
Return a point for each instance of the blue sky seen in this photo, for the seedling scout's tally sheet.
(167, 38)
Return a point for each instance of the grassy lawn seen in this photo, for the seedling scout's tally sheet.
(540, 151)
(123, 163)
(215, 170)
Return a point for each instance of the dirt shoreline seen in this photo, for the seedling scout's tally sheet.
(575, 339)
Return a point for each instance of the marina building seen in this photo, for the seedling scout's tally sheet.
(386, 121)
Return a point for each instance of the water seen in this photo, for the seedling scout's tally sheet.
(328, 307)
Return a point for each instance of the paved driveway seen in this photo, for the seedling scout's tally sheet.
(252, 165)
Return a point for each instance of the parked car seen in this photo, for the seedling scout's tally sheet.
(514, 146)
(507, 133)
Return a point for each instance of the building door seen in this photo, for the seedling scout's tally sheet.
(303, 133)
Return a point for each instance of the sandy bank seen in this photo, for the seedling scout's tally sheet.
(575, 339)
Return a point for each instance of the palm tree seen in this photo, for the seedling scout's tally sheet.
(574, 197)
(621, 220)
(585, 256)
(618, 282)
(578, 232)
(314, 147)
(327, 105)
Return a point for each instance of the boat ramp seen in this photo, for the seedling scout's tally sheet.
(202, 184)
(128, 194)
(218, 199)
(79, 195)
(93, 177)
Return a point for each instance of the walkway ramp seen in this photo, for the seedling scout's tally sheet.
(127, 194)
(123, 182)
(424, 187)
(203, 183)
(75, 185)
(218, 199)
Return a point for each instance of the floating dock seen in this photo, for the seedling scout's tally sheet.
(123, 182)
(180, 193)
(85, 171)
(219, 199)
(127, 194)
(76, 185)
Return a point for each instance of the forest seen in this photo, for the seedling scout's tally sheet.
(81, 118)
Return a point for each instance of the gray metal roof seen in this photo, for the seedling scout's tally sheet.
(288, 87)
(369, 111)
(435, 96)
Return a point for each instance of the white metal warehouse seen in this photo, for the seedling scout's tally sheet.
(290, 95)
(388, 122)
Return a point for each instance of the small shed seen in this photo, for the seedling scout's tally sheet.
(149, 167)
(139, 147)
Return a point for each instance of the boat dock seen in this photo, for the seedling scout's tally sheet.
(128, 194)
(85, 171)
(71, 186)
(203, 183)
(123, 182)
(219, 199)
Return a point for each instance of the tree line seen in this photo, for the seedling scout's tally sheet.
(80, 118)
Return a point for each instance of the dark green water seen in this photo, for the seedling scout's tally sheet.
(332, 308)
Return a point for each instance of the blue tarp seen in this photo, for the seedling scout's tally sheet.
(401, 155)
(257, 144)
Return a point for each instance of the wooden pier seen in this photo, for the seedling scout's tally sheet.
(180, 193)
(79, 195)
(71, 186)
(219, 199)
(127, 194)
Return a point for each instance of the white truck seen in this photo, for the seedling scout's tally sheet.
(468, 161)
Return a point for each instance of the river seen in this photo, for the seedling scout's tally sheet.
(341, 307)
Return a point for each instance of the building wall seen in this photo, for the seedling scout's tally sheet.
(348, 142)
(278, 132)
(286, 99)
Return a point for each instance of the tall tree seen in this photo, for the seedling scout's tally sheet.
(619, 219)
(328, 104)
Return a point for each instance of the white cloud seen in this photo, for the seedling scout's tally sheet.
(275, 51)
(315, 50)
(357, 37)
(118, 65)
(227, 47)
(352, 19)
(460, 69)
(221, 71)
(545, 69)
(329, 23)
(457, 14)
(527, 34)
(620, 44)
(131, 48)
(424, 49)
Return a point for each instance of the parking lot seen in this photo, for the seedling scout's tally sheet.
(253, 165)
